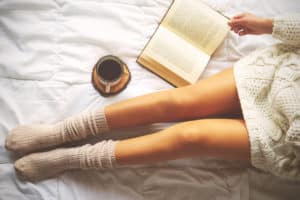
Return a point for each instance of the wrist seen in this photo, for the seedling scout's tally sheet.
(268, 26)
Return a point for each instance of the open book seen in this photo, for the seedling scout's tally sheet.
(184, 41)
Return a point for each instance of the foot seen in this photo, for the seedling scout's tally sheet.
(24, 139)
(30, 138)
(39, 166)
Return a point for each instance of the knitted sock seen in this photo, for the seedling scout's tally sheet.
(36, 137)
(39, 166)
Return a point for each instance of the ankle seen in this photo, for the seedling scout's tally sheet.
(98, 156)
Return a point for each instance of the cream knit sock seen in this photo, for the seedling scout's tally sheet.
(31, 138)
(39, 166)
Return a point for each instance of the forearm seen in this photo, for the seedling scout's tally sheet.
(267, 25)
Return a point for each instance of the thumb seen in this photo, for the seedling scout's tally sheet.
(244, 31)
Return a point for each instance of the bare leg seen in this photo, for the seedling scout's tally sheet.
(213, 96)
(224, 138)
(216, 95)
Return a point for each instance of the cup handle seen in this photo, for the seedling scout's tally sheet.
(107, 87)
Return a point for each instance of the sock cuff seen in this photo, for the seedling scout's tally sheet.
(106, 154)
(111, 153)
(99, 120)
(98, 156)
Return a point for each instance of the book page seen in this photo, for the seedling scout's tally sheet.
(197, 23)
(177, 55)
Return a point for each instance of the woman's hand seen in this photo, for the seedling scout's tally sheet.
(247, 23)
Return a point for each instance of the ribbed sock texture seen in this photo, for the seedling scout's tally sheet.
(84, 125)
(39, 166)
(36, 137)
(98, 156)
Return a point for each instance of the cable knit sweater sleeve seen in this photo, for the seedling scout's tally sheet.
(287, 29)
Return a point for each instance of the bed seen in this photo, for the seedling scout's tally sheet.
(47, 51)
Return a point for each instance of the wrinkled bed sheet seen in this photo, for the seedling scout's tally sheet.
(47, 51)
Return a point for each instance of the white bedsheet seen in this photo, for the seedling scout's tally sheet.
(47, 51)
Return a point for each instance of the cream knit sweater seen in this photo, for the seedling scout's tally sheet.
(268, 83)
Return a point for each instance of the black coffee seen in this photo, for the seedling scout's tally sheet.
(110, 70)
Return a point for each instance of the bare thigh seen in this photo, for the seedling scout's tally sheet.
(212, 97)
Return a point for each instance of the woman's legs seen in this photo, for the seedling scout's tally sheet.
(223, 138)
(214, 96)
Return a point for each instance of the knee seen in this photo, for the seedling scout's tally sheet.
(168, 104)
(180, 105)
(191, 137)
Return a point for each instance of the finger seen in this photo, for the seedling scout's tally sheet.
(237, 29)
(230, 25)
(236, 25)
(243, 32)
(237, 22)
(239, 16)
(232, 28)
